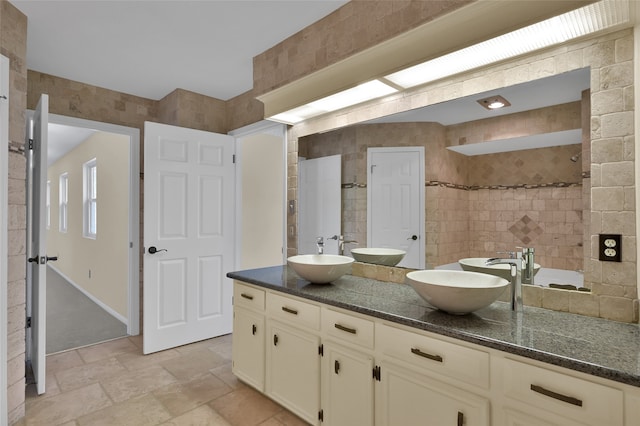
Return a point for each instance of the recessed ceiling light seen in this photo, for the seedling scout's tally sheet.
(494, 102)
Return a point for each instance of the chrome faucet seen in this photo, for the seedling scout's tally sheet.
(320, 244)
(516, 280)
(527, 265)
(341, 242)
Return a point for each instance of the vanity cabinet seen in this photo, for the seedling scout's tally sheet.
(534, 395)
(404, 397)
(293, 355)
(331, 366)
(248, 350)
(347, 386)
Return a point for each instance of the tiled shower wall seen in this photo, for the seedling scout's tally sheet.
(463, 219)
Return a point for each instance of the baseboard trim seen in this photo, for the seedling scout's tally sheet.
(95, 300)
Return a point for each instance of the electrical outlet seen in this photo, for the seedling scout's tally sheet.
(610, 247)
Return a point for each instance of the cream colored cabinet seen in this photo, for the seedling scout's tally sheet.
(248, 348)
(347, 386)
(293, 370)
(335, 367)
(533, 395)
(404, 397)
(293, 355)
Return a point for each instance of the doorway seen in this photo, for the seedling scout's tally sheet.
(87, 263)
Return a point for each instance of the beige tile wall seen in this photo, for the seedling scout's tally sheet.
(527, 123)
(611, 186)
(352, 28)
(13, 44)
(461, 219)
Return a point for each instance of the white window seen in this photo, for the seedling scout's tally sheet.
(48, 204)
(90, 189)
(63, 202)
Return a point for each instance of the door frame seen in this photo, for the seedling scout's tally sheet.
(276, 129)
(420, 150)
(133, 314)
(4, 177)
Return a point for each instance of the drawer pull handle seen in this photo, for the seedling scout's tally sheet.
(460, 418)
(275, 340)
(418, 352)
(343, 328)
(551, 394)
(336, 366)
(289, 310)
(246, 296)
(254, 329)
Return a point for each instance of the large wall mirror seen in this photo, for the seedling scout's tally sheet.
(495, 179)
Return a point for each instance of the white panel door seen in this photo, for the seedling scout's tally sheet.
(37, 241)
(188, 235)
(320, 203)
(395, 202)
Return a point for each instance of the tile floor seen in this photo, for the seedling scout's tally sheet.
(112, 383)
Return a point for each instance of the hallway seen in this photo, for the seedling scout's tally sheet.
(112, 383)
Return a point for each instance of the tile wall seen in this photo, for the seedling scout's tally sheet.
(13, 44)
(475, 206)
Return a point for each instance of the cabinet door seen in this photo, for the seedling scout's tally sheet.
(520, 418)
(293, 370)
(347, 387)
(406, 398)
(248, 347)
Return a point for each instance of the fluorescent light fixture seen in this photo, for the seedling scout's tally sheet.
(586, 20)
(361, 93)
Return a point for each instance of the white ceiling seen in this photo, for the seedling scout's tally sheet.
(149, 48)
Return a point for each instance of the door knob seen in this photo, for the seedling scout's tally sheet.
(154, 250)
(52, 258)
(413, 237)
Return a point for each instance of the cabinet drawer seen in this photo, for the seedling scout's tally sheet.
(348, 328)
(293, 312)
(248, 297)
(580, 400)
(447, 359)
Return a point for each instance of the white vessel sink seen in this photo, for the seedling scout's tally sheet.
(478, 264)
(379, 256)
(457, 292)
(320, 268)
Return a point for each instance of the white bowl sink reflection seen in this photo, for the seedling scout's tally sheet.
(478, 264)
(320, 268)
(457, 292)
(379, 256)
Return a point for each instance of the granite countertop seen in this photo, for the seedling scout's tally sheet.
(595, 346)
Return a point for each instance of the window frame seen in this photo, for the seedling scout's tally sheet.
(90, 199)
(63, 202)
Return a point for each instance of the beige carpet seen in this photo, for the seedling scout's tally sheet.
(74, 320)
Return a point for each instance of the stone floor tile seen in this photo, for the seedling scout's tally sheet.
(287, 418)
(179, 398)
(85, 374)
(136, 340)
(201, 416)
(224, 373)
(107, 349)
(135, 383)
(193, 364)
(141, 411)
(67, 406)
(245, 407)
(134, 361)
(63, 361)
